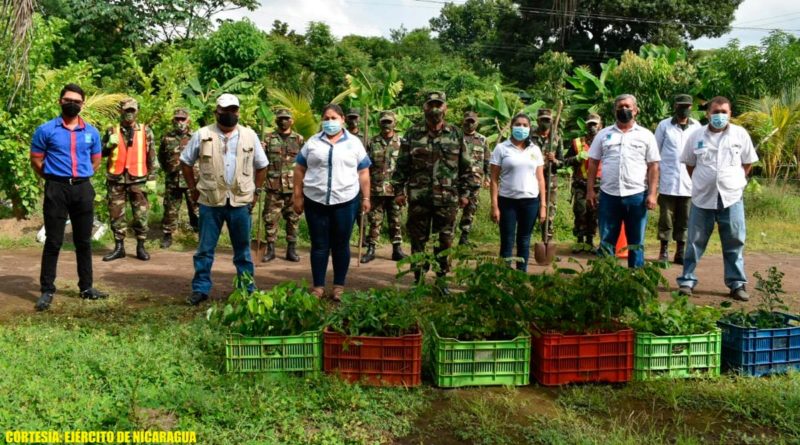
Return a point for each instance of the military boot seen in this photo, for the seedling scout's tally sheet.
(464, 239)
(590, 244)
(118, 252)
(679, 253)
(269, 255)
(141, 252)
(370, 255)
(291, 252)
(663, 254)
(397, 252)
(166, 241)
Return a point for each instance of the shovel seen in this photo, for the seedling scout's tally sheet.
(255, 245)
(545, 251)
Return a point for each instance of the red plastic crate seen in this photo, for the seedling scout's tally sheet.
(394, 361)
(559, 359)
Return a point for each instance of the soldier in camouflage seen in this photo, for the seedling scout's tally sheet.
(585, 225)
(476, 144)
(131, 176)
(554, 157)
(353, 122)
(383, 151)
(435, 176)
(175, 188)
(281, 147)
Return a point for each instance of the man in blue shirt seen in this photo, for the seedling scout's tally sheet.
(66, 152)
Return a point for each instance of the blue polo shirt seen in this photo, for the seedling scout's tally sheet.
(66, 153)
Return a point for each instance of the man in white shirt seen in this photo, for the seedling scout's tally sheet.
(630, 157)
(718, 157)
(675, 185)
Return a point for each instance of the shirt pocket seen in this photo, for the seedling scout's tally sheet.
(247, 160)
(206, 155)
(734, 155)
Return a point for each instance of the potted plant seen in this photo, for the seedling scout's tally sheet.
(676, 339)
(373, 336)
(765, 340)
(271, 331)
(578, 336)
(479, 336)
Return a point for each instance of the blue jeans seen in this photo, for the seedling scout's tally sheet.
(330, 227)
(517, 218)
(612, 212)
(211, 221)
(732, 233)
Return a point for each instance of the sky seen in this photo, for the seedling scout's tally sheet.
(379, 17)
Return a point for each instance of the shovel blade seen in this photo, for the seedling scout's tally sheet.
(550, 252)
(540, 254)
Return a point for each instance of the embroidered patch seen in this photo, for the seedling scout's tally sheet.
(87, 138)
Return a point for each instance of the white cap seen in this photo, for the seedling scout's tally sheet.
(227, 100)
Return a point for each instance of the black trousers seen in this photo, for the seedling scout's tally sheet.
(62, 200)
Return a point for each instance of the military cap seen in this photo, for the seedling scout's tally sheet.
(354, 112)
(387, 116)
(283, 112)
(130, 102)
(181, 112)
(682, 99)
(593, 118)
(544, 112)
(435, 96)
(471, 115)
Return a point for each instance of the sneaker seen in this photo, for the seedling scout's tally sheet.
(93, 294)
(43, 303)
(197, 298)
(685, 290)
(740, 294)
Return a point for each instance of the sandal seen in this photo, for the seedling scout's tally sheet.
(318, 292)
(337, 293)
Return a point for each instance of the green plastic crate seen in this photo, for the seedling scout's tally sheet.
(481, 363)
(294, 353)
(677, 356)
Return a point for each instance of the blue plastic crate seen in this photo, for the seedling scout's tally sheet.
(758, 352)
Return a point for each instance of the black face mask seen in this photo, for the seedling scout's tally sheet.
(70, 109)
(624, 115)
(545, 125)
(593, 129)
(283, 124)
(227, 119)
(683, 112)
(435, 115)
(470, 126)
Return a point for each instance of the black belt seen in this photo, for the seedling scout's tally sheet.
(66, 179)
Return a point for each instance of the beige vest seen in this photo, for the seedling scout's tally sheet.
(214, 191)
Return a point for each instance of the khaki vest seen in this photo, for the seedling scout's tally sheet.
(212, 186)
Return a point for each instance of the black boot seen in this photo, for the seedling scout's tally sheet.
(679, 253)
(166, 241)
(397, 252)
(118, 252)
(370, 255)
(291, 253)
(663, 254)
(590, 244)
(141, 252)
(464, 239)
(269, 255)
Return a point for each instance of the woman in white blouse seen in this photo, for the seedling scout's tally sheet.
(331, 180)
(517, 188)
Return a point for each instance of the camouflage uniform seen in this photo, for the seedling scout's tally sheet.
(476, 144)
(126, 188)
(585, 224)
(281, 151)
(383, 153)
(436, 171)
(551, 190)
(175, 187)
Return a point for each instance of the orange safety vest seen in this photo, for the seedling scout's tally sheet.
(133, 158)
(580, 146)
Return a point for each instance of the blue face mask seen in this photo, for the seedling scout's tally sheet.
(520, 133)
(719, 121)
(331, 127)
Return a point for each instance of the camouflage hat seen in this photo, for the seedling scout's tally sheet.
(283, 112)
(130, 102)
(544, 112)
(438, 96)
(181, 112)
(471, 115)
(354, 112)
(387, 116)
(682, 99)
(593, 118)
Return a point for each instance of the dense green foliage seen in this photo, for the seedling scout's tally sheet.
(377, 313)
(767, 314)
(676, 317)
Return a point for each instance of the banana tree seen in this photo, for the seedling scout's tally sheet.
(495, 118)
(372, 93)
(202, 98)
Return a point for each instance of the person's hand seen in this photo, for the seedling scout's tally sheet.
(591, 198)
(400, 200)
(495, 214)
(195, 194)
(542, 213)
(486, 184)
(254, 202)
(463, 202)
(551, 156)
(150, 186)
(113, 140)
(298, 204)
(366, 205)
(651, 201)
(583, 155)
